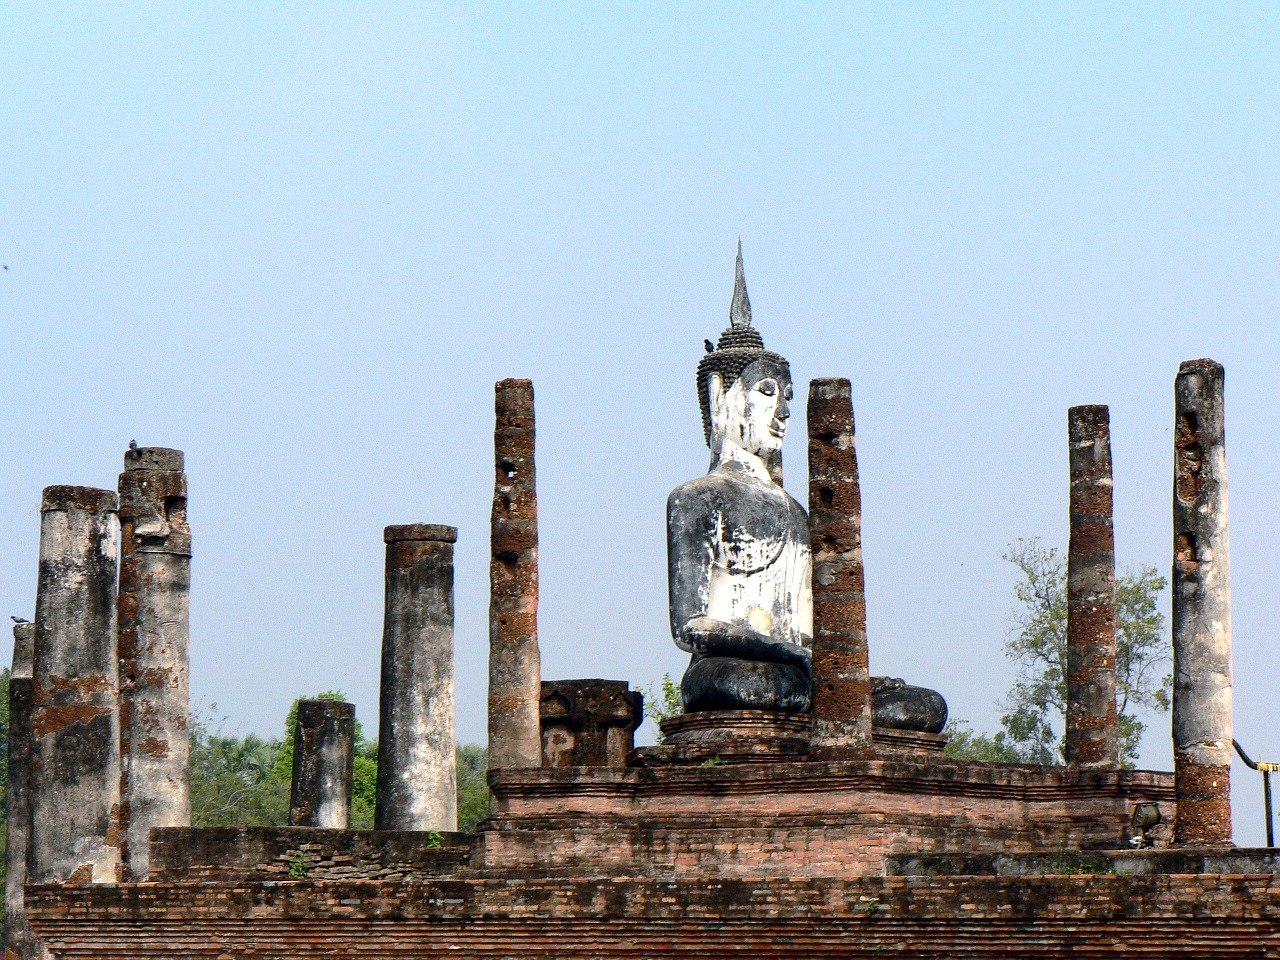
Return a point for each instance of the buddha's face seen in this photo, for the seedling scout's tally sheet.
(757, 407)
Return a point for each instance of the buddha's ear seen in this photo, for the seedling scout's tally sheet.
(716, 404)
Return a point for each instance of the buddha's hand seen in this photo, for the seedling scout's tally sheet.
(715, 638)
(886, 684)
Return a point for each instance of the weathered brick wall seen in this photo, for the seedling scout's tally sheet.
(1082, 917)
(811, 846)
(230, 854)
(803, 787)
(799, 819)
(1171, 860)
(789, 819)
(775, 859)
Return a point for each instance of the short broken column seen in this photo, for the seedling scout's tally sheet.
(154, 603)
(19, 943)
(841, 680)
(1093, 730)
(324, 740)
(589, 723)
(417, 758)
(1202, 725)
(75, 752)
(515, 673)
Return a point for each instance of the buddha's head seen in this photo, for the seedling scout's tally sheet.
(752, 413)
(745, 390)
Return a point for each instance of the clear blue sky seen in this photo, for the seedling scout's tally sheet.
(301, 242)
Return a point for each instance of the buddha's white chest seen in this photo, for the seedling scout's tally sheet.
(763, 582)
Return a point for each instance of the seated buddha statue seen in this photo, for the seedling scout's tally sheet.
(739, 564)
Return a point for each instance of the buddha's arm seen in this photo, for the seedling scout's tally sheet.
(802, 601)
(715, 638)
(690, 554)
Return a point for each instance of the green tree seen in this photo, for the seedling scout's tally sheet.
(1034, 709)
(364, 785)
(473, 786)
(231, 778)
(963, 742)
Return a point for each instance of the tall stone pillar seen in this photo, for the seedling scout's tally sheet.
(75, 729)
(19, 944)
(324, 741)
(1093, 728)
(154, 600)
(515, 673)
(417, 749)
(1202, 726)
(842, 685)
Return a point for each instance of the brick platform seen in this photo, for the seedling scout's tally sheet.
(799, 819)
(1082, 917)
(791, 859)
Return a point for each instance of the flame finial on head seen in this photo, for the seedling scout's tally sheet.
(739, 346)
(740, 308)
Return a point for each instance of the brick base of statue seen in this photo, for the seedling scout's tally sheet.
(761, 736)
(743, 736)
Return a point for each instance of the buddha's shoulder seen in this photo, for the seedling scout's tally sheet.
(718, 485)
(722, 489)
(701, 486)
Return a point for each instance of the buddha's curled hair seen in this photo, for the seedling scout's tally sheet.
(737, 349)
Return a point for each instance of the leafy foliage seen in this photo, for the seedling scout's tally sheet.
(963, 742)
(664, 703)
(364, 783)
(473, 785)
(299, 864)
(232, 782)
(1034, 709)
(246, 781)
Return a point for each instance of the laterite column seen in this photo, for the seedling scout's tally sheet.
(19, 943)
(75, 730)
(417, 749)
(842, 685)
(1202, 726)
(1093, 729)
(154, 603)
(324, 740)
(515, 673)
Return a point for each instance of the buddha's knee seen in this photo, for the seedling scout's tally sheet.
(728, 683)
(900, 706)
